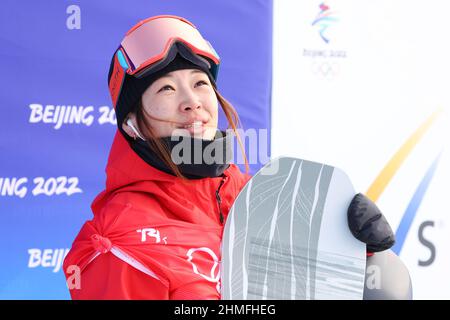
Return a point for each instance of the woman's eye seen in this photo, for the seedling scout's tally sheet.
(165, 88)
(201, 83)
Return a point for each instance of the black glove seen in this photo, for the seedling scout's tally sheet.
(367, 224)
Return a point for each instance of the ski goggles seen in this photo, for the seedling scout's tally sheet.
(150, 40)
(148, 43)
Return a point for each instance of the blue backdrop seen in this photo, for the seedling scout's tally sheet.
(58, 124)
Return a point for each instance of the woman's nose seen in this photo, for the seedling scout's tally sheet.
(190, 102)
(190, 107)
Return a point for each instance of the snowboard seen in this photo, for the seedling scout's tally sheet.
(287, 238)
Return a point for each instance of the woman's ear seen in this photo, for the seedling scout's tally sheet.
(128, 124)
(130, 127)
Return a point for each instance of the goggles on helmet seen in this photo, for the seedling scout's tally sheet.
(150, 42)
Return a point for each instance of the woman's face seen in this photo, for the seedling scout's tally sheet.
(182, 102)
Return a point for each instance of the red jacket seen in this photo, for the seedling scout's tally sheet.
(152, 236)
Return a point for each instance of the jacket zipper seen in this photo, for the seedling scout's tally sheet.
(219, 200)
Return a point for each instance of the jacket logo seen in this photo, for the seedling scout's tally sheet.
(214, 272)
(151, 232)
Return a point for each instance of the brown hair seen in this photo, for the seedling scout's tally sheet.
(162, 150)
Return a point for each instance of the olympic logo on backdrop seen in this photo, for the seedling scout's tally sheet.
(325, 68)
(324, 19)
(325, 62)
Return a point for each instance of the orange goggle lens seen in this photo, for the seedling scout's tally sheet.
(150, 40)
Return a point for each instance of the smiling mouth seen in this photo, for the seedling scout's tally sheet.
(196, 128)
(194, 125)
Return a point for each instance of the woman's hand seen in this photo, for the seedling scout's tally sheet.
(367, 224)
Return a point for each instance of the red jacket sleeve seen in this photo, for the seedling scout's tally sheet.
(109, 278)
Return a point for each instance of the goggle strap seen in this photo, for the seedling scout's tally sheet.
(117, 77)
